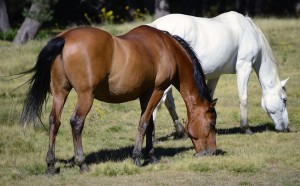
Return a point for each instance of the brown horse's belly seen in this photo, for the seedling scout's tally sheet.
(111, 97)
(119, 93)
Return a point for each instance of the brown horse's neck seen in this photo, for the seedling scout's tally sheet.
(186, 85)
(192, 85)
(193, 101)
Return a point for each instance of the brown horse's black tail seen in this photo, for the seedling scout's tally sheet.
(39, 83)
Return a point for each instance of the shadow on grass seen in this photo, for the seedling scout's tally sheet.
(256, 129)
(226, 131)
(172, 136)
(118, 155)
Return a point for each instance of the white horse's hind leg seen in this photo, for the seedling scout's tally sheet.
(243, 73)
(212, 84)
(168, 100)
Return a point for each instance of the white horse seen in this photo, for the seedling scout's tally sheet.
(227, 44)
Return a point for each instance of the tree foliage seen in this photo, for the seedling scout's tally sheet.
(42, 13)
(61, 13)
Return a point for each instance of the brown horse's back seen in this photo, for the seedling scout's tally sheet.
(117, 69)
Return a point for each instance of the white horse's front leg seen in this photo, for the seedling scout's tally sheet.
(243, 73)
(212, 84)
(170, 104)
(163, 99)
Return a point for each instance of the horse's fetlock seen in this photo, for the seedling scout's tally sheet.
(151, 152)
(137, 154)
(79, 160)
(50, 158)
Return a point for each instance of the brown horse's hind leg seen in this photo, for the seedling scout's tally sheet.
(149, 142)
(146, 126)
(83, 107)
(54, 124)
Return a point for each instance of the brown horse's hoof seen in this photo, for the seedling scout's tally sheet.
(153, 159)
(84, 168)
(50, 171)
(137, 162)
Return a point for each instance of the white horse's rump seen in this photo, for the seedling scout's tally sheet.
(231, 43)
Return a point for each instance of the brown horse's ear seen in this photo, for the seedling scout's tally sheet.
(213, 104)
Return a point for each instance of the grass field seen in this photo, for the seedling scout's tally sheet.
(265, 158)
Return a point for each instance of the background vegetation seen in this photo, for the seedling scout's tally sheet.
(21, 19)
(265, 158)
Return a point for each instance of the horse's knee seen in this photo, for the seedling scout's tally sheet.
(76, 124)
(51, 119)
(142, 128)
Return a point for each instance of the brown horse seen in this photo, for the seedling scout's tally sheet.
(140, 64)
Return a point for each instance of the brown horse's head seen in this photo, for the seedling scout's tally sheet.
(202, 131)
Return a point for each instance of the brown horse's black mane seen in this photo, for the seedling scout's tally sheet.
(199, 77)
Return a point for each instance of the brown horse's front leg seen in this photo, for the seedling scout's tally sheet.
(137, 151)
(147, 129)
(149, 142)
(77, 123)
(146, 126)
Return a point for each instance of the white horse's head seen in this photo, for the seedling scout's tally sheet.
(275, 106)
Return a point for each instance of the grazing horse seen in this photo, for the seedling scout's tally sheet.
(227, 44)
(115, 69)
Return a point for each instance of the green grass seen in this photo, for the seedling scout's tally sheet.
(265, 158)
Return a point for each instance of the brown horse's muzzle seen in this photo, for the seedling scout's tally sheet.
(205, 146)
(205, 153)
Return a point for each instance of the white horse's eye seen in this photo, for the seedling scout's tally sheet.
(284, 100)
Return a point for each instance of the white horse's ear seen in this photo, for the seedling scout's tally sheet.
(283, 82)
